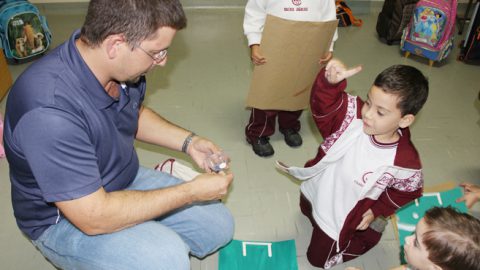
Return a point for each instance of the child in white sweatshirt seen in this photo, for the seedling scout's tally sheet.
(262, 122)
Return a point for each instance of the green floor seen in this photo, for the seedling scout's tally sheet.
(203, 88)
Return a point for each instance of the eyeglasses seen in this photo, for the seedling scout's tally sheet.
(158, 57)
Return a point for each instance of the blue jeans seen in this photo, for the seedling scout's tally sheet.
(164, 243)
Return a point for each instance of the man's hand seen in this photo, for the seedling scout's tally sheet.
(336, 71)
(368, 217)
(256, 56)
(210, 186)
(199, 149)
(471, 194)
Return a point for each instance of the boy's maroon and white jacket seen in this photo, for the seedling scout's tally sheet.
(391, 185)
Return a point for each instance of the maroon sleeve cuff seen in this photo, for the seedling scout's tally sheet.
(324, 95)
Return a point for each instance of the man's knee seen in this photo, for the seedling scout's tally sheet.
(216, 234)
(226, 228)
(220, 223)
(148, 245)
(169, 253)
(169, 259)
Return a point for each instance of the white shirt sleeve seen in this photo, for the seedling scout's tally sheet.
(254, 20)
(335, 36)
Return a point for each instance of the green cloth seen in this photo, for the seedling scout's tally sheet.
(409, 215)
(242, 255)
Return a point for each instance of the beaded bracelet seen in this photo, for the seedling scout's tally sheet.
(187, 141)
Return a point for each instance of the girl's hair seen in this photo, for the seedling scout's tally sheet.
(452, 239)
(136, 19)
(408, 83)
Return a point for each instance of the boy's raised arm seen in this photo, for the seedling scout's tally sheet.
(328, 101)
(336, 71)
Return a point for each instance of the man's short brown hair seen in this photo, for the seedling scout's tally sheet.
(137, 20)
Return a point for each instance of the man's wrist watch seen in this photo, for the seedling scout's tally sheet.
(187, 141)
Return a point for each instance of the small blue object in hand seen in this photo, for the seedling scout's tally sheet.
(218, 161)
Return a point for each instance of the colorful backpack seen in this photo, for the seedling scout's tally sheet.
(24, 33)
(345, 15)
(430, 32)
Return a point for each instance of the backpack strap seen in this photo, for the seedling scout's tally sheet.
(46, 29)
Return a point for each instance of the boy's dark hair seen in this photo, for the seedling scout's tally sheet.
(136, 19)
(452, 239)
(408, 83)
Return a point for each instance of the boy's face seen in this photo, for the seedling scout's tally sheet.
(416, 253)
(382, 117)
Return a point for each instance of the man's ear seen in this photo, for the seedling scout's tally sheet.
(112, 44)
(406, 120)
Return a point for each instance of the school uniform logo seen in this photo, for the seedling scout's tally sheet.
(297, 2)
(364, 179)
(297, 7)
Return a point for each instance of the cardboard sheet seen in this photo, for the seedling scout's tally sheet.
(292, 50)
(5, 76)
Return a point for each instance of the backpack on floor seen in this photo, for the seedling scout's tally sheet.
(430, 32)
(393, 18)
(24, 33)
(345, 15)
(470, 47)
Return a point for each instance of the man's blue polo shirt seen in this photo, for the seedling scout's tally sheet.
(65, 137)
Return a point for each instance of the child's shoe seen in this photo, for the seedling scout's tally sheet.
(292, 137)
(261, 146)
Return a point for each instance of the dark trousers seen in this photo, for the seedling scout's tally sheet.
(262, 122)
(322, 247)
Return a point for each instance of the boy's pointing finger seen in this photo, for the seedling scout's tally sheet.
(352, 71)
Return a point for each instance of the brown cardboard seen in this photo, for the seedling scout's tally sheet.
(292, 50)
(5, 76)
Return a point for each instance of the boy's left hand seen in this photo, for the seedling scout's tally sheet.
(256, 56)
(368, 217)
(327, 57)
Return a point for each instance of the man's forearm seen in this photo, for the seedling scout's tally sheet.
(154, 129)
(102, 212)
